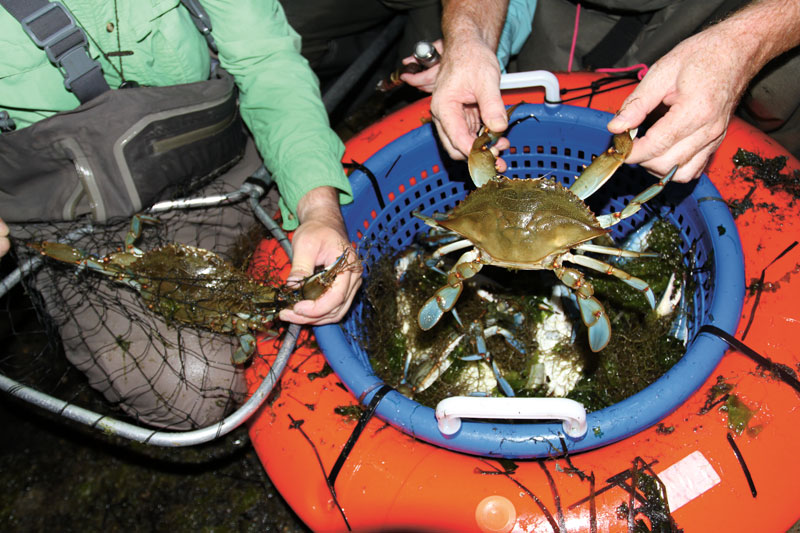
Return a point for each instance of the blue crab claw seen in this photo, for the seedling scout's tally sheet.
(247, 345)
(437, 305)
(595, 318)
(481, 161)
(604, 165)
(60, 251)
(501, 381)
(135, 231)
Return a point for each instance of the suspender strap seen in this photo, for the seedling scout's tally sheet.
(201, 21)
(53, 28)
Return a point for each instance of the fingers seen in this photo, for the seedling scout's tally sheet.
(686, 135)
(424, 80)
(332, 306)
(457, 124)
(699, 97)
(5, 244)
(490, 103)
(501, 144)
(644, 99)
(691, 154)
(467, 92)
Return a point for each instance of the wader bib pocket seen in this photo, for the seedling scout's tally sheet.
(120, 152)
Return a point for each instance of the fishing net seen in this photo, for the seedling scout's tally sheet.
(159, 372)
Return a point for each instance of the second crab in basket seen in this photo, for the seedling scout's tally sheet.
(537, 224)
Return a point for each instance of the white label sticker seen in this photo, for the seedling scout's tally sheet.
(687, 479)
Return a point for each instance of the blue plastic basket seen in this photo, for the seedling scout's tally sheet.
(410, 174)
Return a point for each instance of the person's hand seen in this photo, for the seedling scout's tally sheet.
(425, 79)
(700, 82)
(319, 240)
(466, 94)
(4, 242)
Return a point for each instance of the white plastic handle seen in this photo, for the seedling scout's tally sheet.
(450, 411)
(534, 78)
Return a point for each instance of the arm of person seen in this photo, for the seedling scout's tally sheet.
(516, 30)
(700, 82)
(467, 87)
(281, 104)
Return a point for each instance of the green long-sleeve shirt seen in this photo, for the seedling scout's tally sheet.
(279, 95)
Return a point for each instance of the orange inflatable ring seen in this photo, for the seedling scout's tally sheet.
(714, 478)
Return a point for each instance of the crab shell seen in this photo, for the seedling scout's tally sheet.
(522, 224)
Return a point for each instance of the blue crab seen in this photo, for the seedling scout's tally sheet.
(536, 224)
(433, 367)
(195, 286)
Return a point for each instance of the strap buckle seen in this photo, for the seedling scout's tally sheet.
(54, 29)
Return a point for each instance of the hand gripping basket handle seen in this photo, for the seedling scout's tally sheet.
(450, 411)
(534, 78)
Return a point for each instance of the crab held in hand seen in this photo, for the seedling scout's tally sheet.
(195, 286)
(536, 224)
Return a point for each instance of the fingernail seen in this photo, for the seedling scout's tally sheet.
(496, 124)
(617, 124)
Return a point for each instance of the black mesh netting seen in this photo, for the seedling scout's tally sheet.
(157, 370)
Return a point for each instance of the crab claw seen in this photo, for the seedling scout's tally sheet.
(316, 285)
(595, 318)
(437, 305)
(481, 160)
(604, 165)
(59, 251)
(247, 345)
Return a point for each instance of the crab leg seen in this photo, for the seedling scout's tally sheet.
(626, 278)
(69, 254)
(483, 352)
(430, 371)
(604, 166)
(444, 250)
(636, 203)
(610, 250)
(592, 312)
(445, 298)
(247, 345)
(135, 232)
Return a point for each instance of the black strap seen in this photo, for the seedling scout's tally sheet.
(53, 28)
(201, 21)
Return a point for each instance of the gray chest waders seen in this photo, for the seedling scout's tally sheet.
(118, 152)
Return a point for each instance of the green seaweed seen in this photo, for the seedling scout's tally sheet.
(739, 414)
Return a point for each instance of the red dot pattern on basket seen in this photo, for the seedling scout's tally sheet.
(412, 182)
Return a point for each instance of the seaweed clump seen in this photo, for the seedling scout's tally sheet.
(768, 171)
